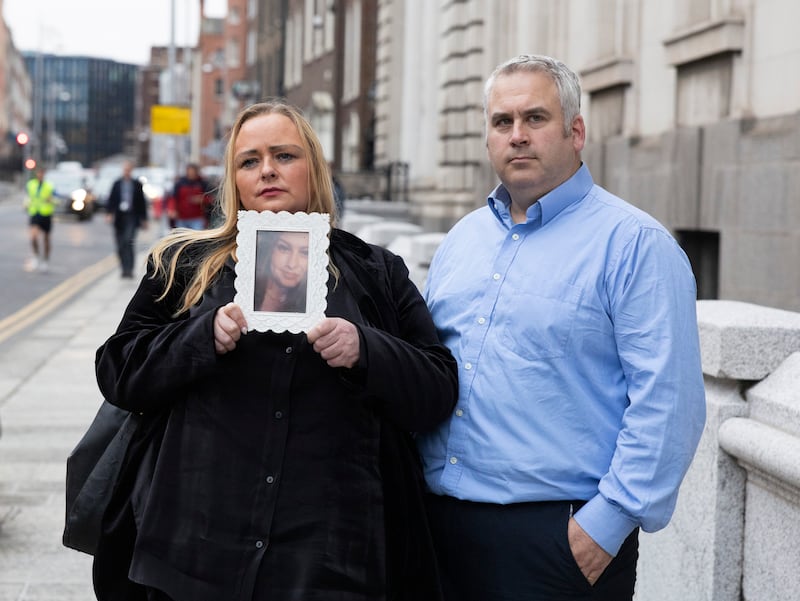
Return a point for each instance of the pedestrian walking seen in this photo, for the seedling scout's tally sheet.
(572, 317)
(127, 211)
(282, 466)
(41, 206)
(191, 202)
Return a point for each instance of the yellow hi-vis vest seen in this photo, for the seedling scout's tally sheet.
(40, 198)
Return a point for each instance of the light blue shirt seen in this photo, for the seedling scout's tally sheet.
(579, 361)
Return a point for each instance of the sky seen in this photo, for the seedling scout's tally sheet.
(121, 30)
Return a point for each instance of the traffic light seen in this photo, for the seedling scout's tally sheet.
(30, 164)
(22, 138)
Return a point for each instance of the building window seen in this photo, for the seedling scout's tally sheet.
(607, 110)
(352, 52)
(308, 31)
(702, 248)
(704, 90)
(703, 56)
(219, 87)
(252, 49)
(233, 54)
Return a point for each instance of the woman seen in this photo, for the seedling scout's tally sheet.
(275, 466)
(281, 271)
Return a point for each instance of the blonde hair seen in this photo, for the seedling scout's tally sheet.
(216, 245)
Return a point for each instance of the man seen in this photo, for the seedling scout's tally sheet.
(40, 211)
(191, 201)
(127, 209)
(572, 316)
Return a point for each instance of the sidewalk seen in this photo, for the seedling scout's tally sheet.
(48, 397)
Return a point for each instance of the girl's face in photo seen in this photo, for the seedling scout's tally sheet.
(289, 262)
(271, 167)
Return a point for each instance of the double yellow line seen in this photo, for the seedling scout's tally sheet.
(45, 304)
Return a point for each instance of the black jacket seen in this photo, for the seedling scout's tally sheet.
(139, 208)
(276, 476)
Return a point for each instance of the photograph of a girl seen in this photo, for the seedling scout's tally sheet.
(281, 275)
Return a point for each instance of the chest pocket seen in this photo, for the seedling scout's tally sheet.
(538, 324)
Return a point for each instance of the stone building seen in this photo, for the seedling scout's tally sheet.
(84, 107)
(15, 106)
(219, 77)
(692, 111)
(320, 55)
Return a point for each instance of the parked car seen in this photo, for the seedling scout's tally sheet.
(73, 188)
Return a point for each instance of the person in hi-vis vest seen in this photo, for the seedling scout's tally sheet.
(40, 209)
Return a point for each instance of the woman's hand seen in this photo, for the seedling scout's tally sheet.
(336, 340)
(229, 325)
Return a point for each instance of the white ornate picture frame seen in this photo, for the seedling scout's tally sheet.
(274, 288)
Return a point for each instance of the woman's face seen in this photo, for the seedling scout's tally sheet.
(271, 168)
(289, 263)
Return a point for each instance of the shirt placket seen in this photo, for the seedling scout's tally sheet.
(278, 398)
(473, 343)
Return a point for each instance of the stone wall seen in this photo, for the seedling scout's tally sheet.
(738, 179)
(737, 522)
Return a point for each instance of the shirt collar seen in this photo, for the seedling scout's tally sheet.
(549, 205)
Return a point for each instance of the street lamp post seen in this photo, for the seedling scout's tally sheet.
(41, 92)
(55, 143)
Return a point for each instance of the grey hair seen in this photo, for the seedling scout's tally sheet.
(569, 88)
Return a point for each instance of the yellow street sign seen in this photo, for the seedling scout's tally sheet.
(175, 120)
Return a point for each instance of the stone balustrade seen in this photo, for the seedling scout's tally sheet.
(737, 522)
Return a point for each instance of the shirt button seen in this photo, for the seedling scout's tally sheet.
(270, 479)
(453, 460)
(468, 366)
(459, 412)
(259, 544)
(289, 350)
(481, 320)
(496, 276)
(515, 236)
(278, 414)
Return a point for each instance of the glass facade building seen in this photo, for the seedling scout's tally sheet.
(83, 107)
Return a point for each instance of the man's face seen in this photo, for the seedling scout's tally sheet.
(525, 136)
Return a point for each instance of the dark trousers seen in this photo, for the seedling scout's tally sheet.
(519, 552)
(125, 232)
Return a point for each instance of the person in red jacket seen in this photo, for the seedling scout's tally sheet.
(191, 200)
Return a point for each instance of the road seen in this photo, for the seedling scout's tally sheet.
(80, 252)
